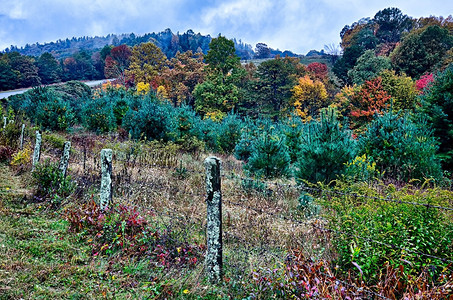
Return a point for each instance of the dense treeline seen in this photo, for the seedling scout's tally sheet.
(85, 58)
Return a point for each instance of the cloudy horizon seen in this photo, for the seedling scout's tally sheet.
(298, 26)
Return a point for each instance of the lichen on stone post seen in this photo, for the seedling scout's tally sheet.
(65, 158)
(214, 263)
(37, 151)
(21, 142)
(106, 178)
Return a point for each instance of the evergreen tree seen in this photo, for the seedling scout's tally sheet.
(324, 149)
(269, 156)
(401, 148)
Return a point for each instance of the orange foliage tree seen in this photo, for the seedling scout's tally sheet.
(371, 99)
(309, 96)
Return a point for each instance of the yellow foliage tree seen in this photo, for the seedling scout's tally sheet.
(143, 88)
(162, 93)
(309, 96)
(147, 61)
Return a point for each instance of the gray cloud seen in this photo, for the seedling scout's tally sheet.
(285, 24)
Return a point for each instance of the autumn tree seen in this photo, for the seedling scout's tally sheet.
(146, 62)
(401, 88)
(319, 70)
(184, 72)
(371, 99)
(117, 62)
(221, 91)
(309, 96)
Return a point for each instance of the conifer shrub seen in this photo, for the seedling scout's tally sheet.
(98, 115)
(243, 148)
(269, 157)
(325, 148)
(402, 149)
(54, 114)
(151, 121)
(229, 133)
(437, 105)
(293, 129)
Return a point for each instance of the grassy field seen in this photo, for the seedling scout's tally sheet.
(151, 243)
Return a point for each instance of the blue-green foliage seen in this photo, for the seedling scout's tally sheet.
(97, 114)
(293, 129)
(151, 121)
(325, 148)
(229, 133)
(401, 148)
(45, 107)
(438, 108)
(269, 156)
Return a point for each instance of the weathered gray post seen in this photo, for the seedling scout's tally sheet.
(4, 121)
(65, 158)
(21, 144)
(37, 151)
(106, 178)
(214, 263)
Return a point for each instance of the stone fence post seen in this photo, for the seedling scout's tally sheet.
(65, 158)
(21, 142)
(214, 263)
(106, 178)
(37, 151)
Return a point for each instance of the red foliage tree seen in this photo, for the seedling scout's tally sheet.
(319, 70)
(424, 81)
(117, 62)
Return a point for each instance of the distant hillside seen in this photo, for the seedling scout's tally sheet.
(169, 42)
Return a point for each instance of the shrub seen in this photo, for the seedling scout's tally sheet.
(438, 107)
(98, 115)
(361, 168)
(123, 231)
(54, 114)
(293, 129)
(21, 157)
(395, 226)
(10, 135)
(269, 156)
(55, 141)
(401, 148)
(324, 149)
(229, 133)
(51, 183)
(5, 153)
(151, 121)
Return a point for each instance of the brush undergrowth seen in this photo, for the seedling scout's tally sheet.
(150, 243)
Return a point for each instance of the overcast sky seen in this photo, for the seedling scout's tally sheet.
(296, 25)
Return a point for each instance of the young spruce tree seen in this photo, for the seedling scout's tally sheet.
(325, 148)
(269, 156)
